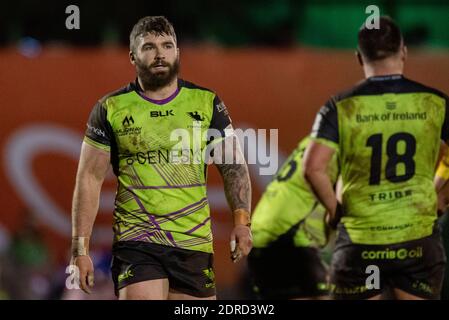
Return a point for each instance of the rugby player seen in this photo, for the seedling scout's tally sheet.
(288, 225)
(162, 246)
(387, 130)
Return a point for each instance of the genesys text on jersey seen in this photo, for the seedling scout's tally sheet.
(212, 146)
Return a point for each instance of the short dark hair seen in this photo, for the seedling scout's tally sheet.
(378, 44)
(158, 25)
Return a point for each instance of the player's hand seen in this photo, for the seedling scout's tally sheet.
(241, 242)
(333, 220)
(86, 272)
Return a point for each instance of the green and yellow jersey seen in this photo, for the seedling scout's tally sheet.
(387, 131)
(157, 149)
(289, 207)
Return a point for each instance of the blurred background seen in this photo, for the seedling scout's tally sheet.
(273, 62)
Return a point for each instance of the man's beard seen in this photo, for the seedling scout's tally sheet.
(151, 80)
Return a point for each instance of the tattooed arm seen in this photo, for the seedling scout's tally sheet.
(234, 171)
(231, 164)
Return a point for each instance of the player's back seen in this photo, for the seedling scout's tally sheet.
(389, 131)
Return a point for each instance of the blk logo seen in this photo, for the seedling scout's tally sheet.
(195, 116)
(128, 121)
(166, 113)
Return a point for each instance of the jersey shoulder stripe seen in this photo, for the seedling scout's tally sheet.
(99, 133)
(118, 92)
(191, 85)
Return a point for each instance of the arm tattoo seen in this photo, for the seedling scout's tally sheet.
(236, 181)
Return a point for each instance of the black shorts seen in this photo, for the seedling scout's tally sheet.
(287, 272)
(416, 267)
(188, 271)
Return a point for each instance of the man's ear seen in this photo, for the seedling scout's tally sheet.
(404, 53)
(132, 58)
(359, 57)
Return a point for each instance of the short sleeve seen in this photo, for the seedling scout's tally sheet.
(98, 132)
(220, 116)
(326, 123)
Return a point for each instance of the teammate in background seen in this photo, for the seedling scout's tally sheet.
(387, 130)
(288, 225)
(162, 231)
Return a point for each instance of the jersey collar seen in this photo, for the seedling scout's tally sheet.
(136, 86)
(386, 77)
